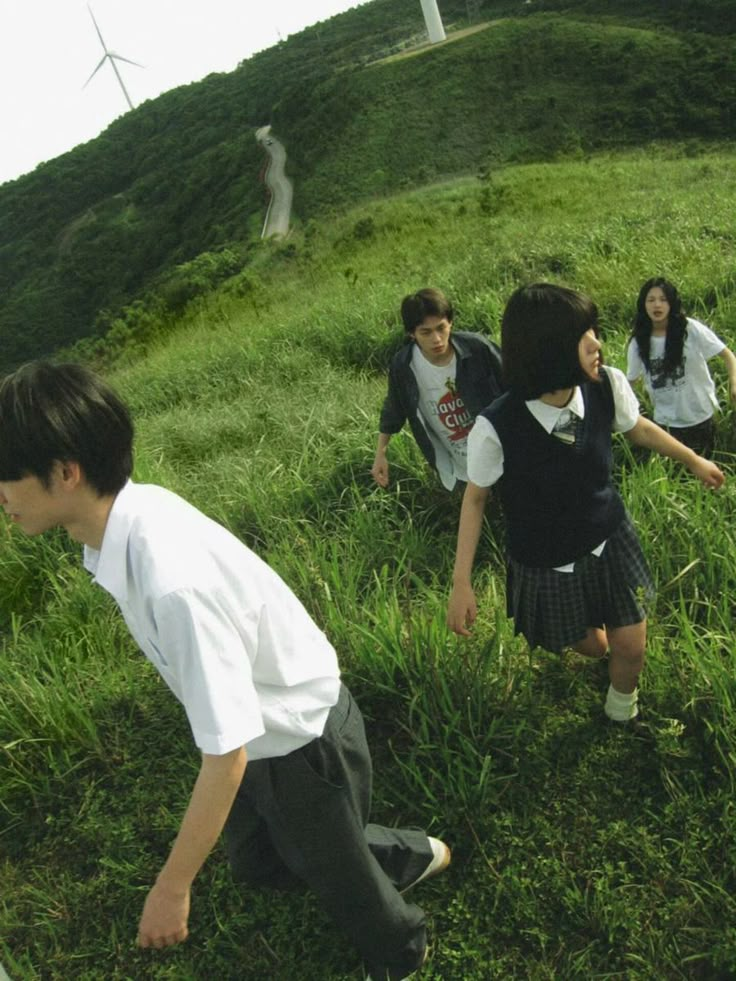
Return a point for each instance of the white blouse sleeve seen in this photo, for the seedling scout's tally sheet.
(485, 454)
(625, 402)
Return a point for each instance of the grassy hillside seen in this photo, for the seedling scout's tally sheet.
(579, 853)
(712, 17)
(114, 221)
(532, 88)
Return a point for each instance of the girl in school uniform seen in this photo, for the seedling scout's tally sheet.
(576, 573)
(671, 352)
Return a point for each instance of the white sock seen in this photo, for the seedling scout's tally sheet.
(621, 707)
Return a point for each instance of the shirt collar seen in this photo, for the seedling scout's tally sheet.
(461, 348)
(419, 357)
(457, 339)
(108, 564)
(548, 415)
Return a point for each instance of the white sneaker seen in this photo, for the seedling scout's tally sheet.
(441, 858)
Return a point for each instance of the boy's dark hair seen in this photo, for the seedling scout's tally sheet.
(416, 307)
(676, 325)
(64, 412)
(540, 335)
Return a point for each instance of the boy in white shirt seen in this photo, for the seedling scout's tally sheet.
(285, 769)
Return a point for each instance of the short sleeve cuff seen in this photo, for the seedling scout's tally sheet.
(625, 402)
(485, 454)
(217, 744)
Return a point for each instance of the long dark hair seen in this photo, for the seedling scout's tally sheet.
(676, 325)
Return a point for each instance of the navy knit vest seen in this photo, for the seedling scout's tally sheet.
(558, 498)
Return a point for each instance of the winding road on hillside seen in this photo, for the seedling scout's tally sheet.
(279, 207)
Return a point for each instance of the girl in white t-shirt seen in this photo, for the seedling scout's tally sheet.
(671, 352)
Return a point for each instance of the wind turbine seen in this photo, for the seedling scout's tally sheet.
(112, 57)
(433, 20)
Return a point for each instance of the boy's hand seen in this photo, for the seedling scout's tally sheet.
(164, 919)
(462, 609)
(708, 473)
(379, 470)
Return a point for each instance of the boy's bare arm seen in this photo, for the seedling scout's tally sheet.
(166, 910)
(379, 470)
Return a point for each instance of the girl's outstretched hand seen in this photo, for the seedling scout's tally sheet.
(708, 473)
(462, 609)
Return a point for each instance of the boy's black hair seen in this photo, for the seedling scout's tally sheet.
(429, 302)
(676, 325)
(67, 413)
(540, 336)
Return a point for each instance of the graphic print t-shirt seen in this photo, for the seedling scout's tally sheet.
(686, 396)
(445, 416)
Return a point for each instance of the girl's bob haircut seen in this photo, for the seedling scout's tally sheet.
(540, 336)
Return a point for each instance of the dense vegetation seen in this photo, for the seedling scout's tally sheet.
(102, 238)
(580, 853)
(523, 89)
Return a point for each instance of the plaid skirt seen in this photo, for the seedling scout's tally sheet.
(554, 610)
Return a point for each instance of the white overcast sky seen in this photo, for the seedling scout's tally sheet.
(49, 48)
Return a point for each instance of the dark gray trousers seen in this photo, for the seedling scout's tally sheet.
(304, 818)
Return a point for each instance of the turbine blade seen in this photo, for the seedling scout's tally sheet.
(104, 59)
(99, 35)
(111, 54)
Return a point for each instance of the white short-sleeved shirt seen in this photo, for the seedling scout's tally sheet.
(444, 415)
(686, 397)
(225, 633)
(485, 451)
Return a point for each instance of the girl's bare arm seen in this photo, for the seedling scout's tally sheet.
(648, 434)
(730, 361)
(462, 608)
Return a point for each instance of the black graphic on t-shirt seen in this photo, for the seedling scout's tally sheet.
(661, 378)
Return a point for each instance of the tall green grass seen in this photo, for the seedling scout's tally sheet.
(579, 852)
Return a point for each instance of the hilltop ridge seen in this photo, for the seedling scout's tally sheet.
(121, 219)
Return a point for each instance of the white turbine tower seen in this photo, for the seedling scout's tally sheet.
(112, 57)
(433, 21)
